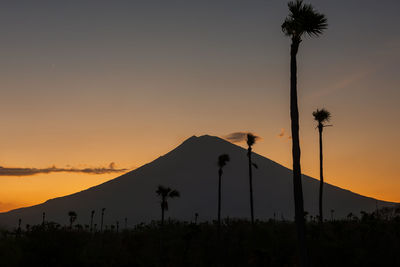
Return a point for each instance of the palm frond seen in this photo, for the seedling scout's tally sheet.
(251, 139)
(222, 160)
(322, 115)
(174, 193)
(72, 214)
(303, 18)
(162, 190)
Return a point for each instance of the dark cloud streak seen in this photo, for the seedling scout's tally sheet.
(237, 137)
(4, 171)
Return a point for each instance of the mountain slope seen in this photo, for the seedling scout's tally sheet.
(191, 168)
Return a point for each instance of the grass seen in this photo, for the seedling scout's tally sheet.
(369, 241)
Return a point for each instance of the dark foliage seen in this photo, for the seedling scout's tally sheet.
(372, 240)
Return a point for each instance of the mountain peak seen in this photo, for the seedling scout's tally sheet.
(204, 139)
(191, 168)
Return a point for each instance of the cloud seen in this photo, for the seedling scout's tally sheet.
(5, 171)
(237, 137)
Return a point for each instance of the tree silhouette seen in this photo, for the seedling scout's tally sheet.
(91, 220)
(321, 116)
(164, 193)
(102, 219)
(72, 218)
(251, 140)
(222, 160)
(43, 218)
(302, 19)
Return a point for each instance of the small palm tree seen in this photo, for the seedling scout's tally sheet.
(91, 220)
(222, 160)
(102, 219)
(302, 19)
(72, 218)
(43, 218)
(251, 140)
(321, 116)
(164, 193)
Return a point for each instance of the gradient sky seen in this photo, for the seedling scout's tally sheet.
(87, 83)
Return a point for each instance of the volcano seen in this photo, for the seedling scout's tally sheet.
(192, 169)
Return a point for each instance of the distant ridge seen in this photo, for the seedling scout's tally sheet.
(191, 168)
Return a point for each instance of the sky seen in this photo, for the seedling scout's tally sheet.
(112, 85)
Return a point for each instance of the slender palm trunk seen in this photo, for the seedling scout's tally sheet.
(297, 185)
(251, 187)
(101, 225)
(219, 198)
(162, 210)
(321, 174)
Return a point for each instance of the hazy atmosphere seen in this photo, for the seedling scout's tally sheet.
(91, 89)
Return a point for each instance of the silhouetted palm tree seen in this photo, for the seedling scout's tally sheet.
(251, 140)
(43, 218)
(72, 218)
(91, 220)
(222, 160)
(102, 217)
(164, 193)
(302, 19)
(321, 116)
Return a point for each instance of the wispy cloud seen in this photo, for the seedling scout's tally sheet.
(237, 137)
(5, 171)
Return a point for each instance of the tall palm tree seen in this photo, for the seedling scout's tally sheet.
(72, 218)
(321, 116)
(164, 193)
(302, 20)
(222, 160)
(102, 219)
(251, 140)
(91, 220)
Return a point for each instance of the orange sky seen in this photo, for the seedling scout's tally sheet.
(126, 82)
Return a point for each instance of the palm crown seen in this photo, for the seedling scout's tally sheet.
(222, 160)
(303, 19)
(164, 192)
(251, 139)
(321, 115)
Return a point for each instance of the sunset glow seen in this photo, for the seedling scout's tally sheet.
(127, 83)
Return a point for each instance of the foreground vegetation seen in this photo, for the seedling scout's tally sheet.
(369, 241)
